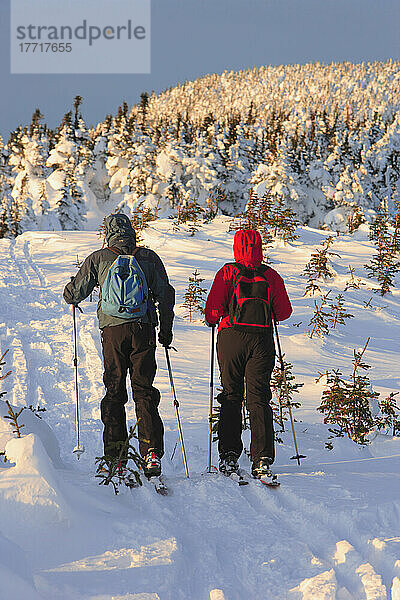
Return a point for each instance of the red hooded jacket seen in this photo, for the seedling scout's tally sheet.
(247, 250)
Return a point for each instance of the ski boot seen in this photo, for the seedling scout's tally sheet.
(261, 469)
(152, 466)
(228, 464)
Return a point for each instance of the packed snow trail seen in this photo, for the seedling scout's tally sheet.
(331, 531)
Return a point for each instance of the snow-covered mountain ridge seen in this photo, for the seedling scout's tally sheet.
(331, 532)
(324, 138)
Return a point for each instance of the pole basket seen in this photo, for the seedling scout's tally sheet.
(298, 457)
(78, 450)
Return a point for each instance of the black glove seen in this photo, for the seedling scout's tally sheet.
(165, 339)
(68, 297)
(209, 324)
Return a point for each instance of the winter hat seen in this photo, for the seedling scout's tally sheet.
(118, 230)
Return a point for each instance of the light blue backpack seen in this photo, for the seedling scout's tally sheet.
(124, 291)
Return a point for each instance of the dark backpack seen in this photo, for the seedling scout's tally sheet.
(250, 307)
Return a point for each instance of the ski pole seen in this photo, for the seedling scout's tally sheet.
(79, 448)
(297, 455)
(176, 405)
(283, 375)
(211, 396)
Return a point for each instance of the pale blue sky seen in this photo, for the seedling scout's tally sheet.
(194, 37)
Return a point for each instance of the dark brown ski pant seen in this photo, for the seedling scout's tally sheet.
(249, 356)
(130, 347)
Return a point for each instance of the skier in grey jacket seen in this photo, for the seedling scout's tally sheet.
(129, 345)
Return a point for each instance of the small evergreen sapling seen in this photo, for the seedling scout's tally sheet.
(368, 303)
(390, 414)
(250, 218)
(338, 312)
(354, 283)
(385, 263)
(312, 287)
(215, 422)
(13, 417)
(355, 219)
(284, 385)
(2, 363)
(189, 212)
(318, 264)
(215, 197)
(318, 321)
(245, 415)
(194, 295)
(283, 221)
(140, 219)
(269, 216)
(114, 470)
(346, 403)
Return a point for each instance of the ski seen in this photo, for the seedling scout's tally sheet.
(159, 485)
(131, 482)
(237, 477)
(270, 480)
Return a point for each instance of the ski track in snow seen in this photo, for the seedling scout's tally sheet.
(329, 532)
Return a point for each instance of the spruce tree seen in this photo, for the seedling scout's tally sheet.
(385, 264)
(109, 468)
(194, 295)
(215, 197)
(312, 287)
(283, 383)
(354, 283)
(189, 212)
(318, 265)
(345, 403)
(257, 216)
(250, 218)
(265, 208)
(140, 219)
(283, 221)
(318, 322)
(338, 313)
(3, 220)
(390, 414)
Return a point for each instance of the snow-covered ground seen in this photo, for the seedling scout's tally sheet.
(331, 531)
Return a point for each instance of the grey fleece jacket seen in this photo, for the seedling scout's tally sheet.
(121, 235)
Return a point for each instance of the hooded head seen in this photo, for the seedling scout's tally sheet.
(247, 248)
(119, 231)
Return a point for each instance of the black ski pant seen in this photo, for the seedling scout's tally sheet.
(249, 356)
(130, 347)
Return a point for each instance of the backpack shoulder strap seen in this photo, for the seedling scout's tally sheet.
(118, 252)
(241, 270)
(262, 269)
(115, 250)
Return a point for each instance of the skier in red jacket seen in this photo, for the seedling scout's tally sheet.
(244, 298)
